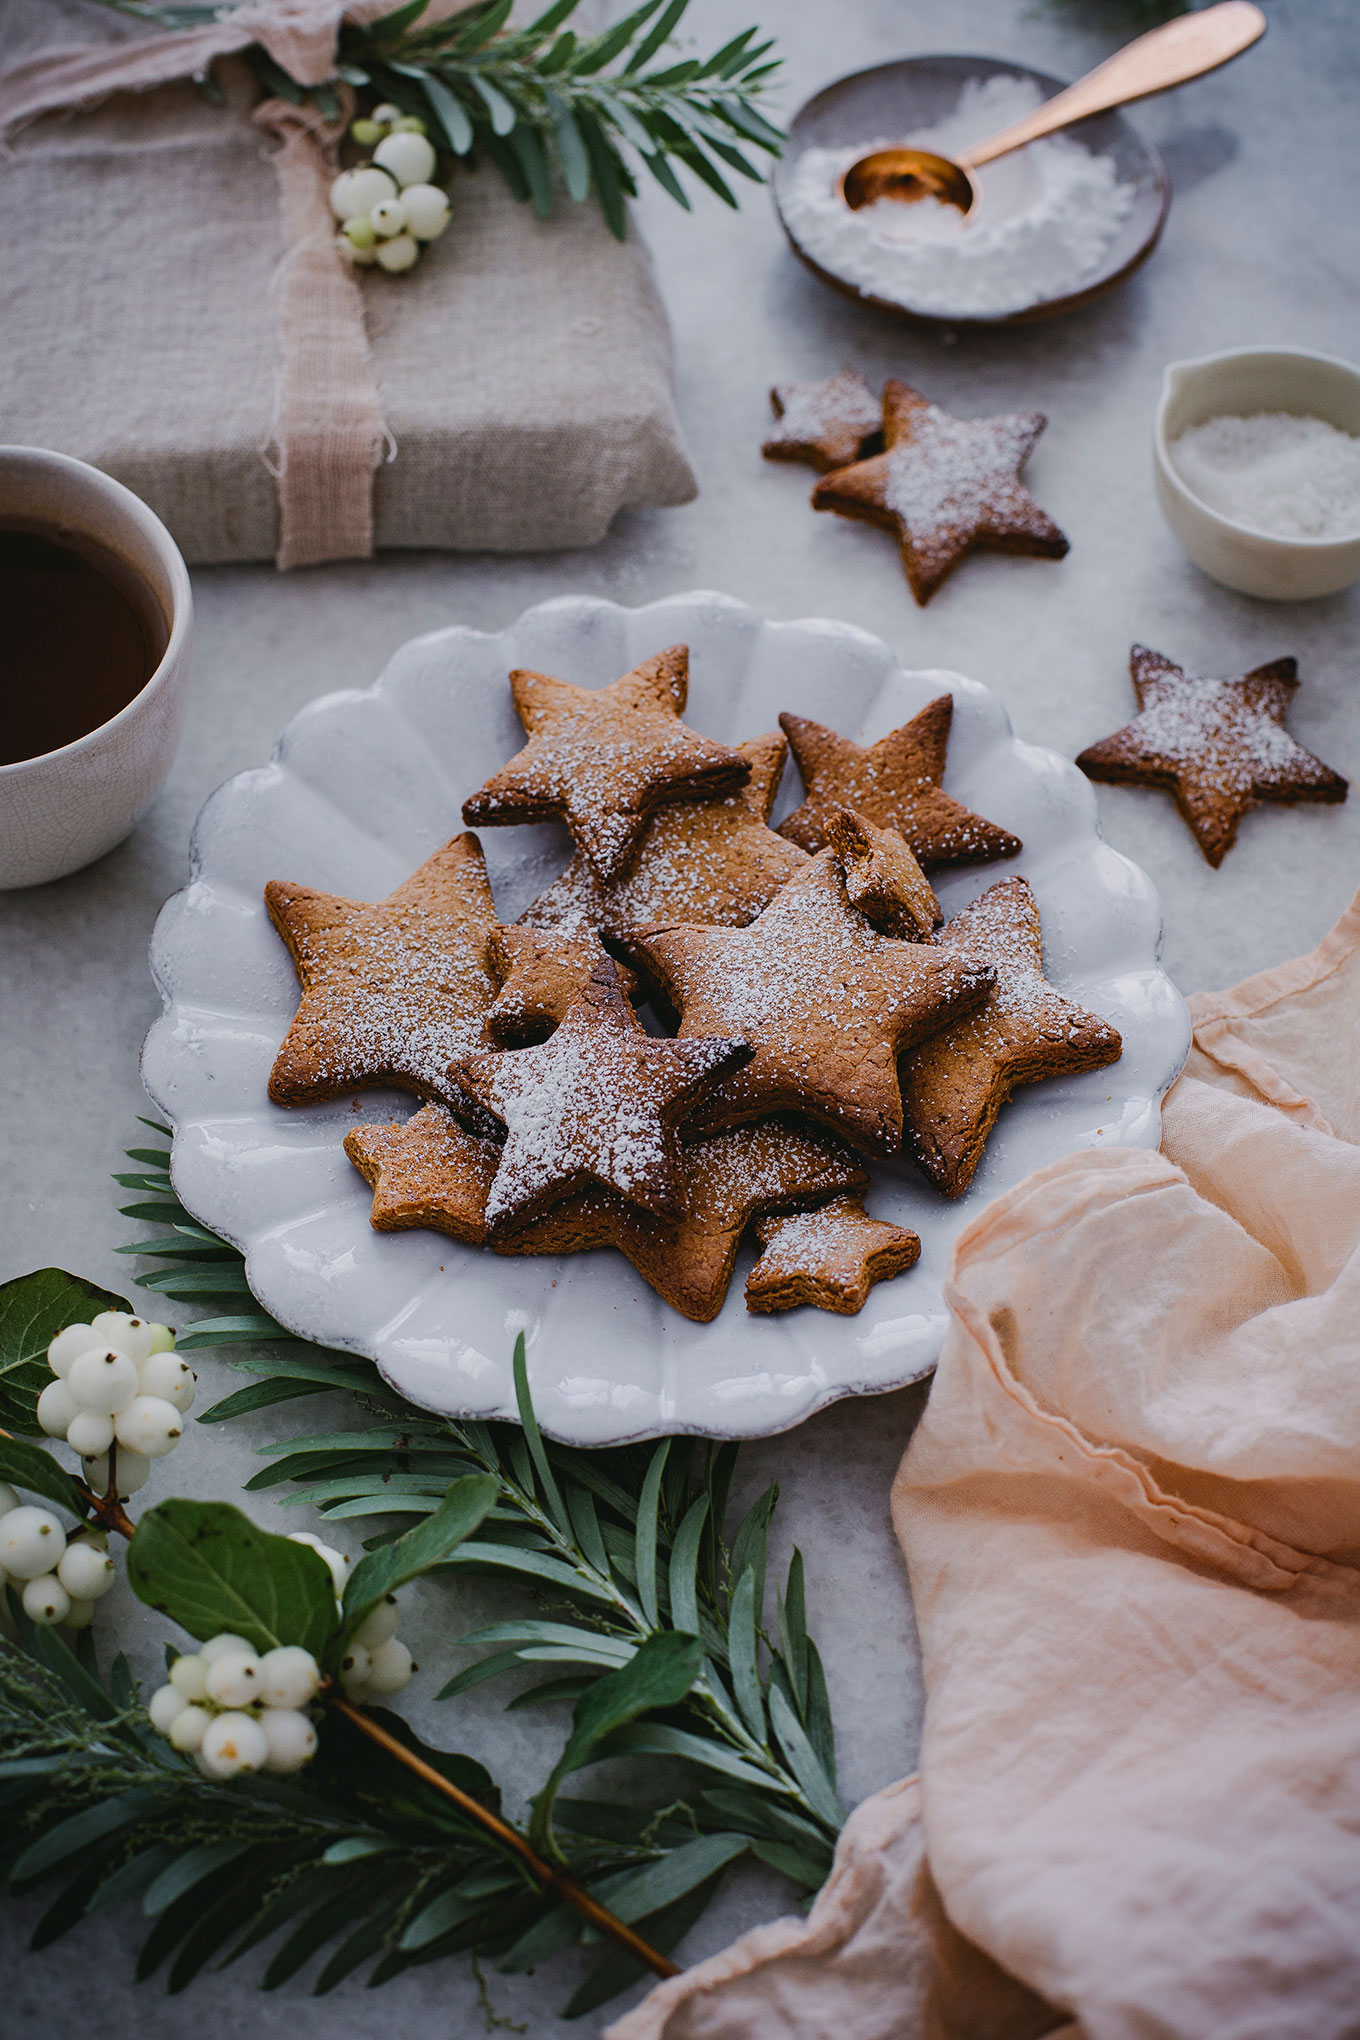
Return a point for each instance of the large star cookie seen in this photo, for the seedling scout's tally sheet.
(776, 1165)
(828, 424)
(826, 1003)
(391, 992)
(713, 860)
(603, 759)
(543, 973)
(895, 783)
(955, 1085)
(946, 487)
(597, 1102)
(1219, 746)
(830, 1257)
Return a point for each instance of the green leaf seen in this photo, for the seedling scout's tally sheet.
(79, 1831)
(659, 1739)
(211, 1570)
(533, 1438)
(184, 1283)
(793, 1632)
(633, 1894)
(28, 1466)
(261, 1395)
(450, 114)
(817, 1714)
(557, 1930)
(571, 149)
(609, 173)
(749, 1544)
(503, 114)
(660, 1674)
(809, 1871)
(742, 1654)
(619, 1969)
(33, 1309)
(645, 1546)
(803, 1762)
(552, 18)
(187, 1870)
(660, 34)
(667, 179)
(535, 1565)
(232, 1331)
(685, 1565)
(389, 26)
(429, 1544)
(71, 1904)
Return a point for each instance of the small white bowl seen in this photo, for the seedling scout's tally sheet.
(1235, 384)
(62, 810)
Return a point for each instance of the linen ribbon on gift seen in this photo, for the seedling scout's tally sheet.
(1131, 1517)
(328, 429)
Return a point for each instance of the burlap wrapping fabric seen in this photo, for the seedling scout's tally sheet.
(522, 371)
(1131, 1519)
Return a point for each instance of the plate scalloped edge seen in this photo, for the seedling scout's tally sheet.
(361, 787)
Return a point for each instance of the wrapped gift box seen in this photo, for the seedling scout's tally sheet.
(523, 367)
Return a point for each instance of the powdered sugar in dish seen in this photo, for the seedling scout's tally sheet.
(1044, 218)
(1286, 476)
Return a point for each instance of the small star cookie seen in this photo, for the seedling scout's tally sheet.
(828, 424)
(603, 759)
(429, 1172)
(826, 1003)
(543, 972)
(955, 1085)
(778, 1164)
(392, 991)
(830, 1257)
(714, 860)
(597, 1102)
(1219, 746)
(895, 784)
(883, 878)
(946, 487)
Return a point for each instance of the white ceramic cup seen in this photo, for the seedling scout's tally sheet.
(62, 810)
(1237, 383)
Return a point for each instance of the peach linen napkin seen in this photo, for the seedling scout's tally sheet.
(1131, 1516)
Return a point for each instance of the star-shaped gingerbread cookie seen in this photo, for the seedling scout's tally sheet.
(883, 878)
(729, 1177)
(946, 487)
(603, 759)
(597, 1102)
(828, 424)
(954, 1086)
(895, 784)
(429, 1172)
(543, 973)
(392, 991)
(1219, 746)
(714, 860)
(825, 1001)
(830, 1257)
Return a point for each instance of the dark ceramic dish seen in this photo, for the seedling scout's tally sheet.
(913, 94)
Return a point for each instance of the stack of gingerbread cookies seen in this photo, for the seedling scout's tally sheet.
(818, 1015)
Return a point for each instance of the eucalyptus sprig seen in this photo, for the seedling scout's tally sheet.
(547, 106)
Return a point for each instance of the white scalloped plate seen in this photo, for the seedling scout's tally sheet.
(362, 787)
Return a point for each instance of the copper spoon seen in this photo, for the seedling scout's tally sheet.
(1180, 49)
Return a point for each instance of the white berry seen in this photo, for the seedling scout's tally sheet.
(167, 1376)
(56, 1408)
(350, 251)
(162, 1338)
(289, 1676)
(68, 1346)
(427, 210)
(165, 1707)
(131, 1335)
(134, 1471)
(386, 115)
(379, 1623)
(225, 1645)
(389, 1667)
(9, 1498)
(85, 1571)
(150, 1425)
(79, 1615)
(336, 1560)
(388, 218)
(31, 1542)
(397, 254)
(234, 1681)
(46, 1599)
(189, 1727)
(354, 1668)
(90, 1433)
(103, 1380)
(232, 1743)
(410, 158)
(355, 192)
(290, 1737)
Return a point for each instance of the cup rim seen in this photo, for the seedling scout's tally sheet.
(181, 597)
(1175, 480)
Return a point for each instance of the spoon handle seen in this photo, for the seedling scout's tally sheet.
(1180, 49)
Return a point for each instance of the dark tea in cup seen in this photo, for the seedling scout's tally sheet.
(80, 636)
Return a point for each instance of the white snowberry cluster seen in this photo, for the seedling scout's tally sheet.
(118, 1377)
(60, 1582)
(234, 1711)
(388, 207)
(376, 1663)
